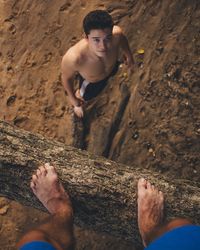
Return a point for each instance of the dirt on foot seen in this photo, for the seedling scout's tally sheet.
(48, 189)
(150, 209)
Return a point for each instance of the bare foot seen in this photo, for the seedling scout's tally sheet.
(49, 190)
(150, 210)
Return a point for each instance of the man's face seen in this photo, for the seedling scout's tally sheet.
(100, 41)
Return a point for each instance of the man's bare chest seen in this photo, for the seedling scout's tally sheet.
(94, 70)
(102, 65)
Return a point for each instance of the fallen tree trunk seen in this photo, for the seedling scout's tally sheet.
(103, 192)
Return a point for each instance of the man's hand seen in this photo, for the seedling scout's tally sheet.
(127, 54)
(76, 101)
(129, 62)
(79, 111)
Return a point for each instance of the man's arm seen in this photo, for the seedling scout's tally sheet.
(124, 45)
(68, 68)
(126, 50)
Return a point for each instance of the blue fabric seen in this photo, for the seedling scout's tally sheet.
(37, 245)
(181, 238)
(93, 89)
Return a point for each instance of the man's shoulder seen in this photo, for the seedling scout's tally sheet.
(117, 30)
(75, 53)
(117, 34)
(71, 55)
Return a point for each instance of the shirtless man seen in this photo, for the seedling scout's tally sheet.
(57, 231)
(94, 58)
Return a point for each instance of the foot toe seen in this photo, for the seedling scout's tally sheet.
(38, 173)
(43, 170)
(50, 169)
(34, 179)
(32, 185)
(141, 183)
(148, 185)
(141, 187)
(161, 195)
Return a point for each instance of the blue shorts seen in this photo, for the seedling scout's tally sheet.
(181, 238)
(37, 245)
(90, 90)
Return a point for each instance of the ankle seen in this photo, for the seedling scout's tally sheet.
(151, 235)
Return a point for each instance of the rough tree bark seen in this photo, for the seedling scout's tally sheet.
(103, 192)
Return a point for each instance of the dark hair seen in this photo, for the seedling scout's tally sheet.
(97, 19)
